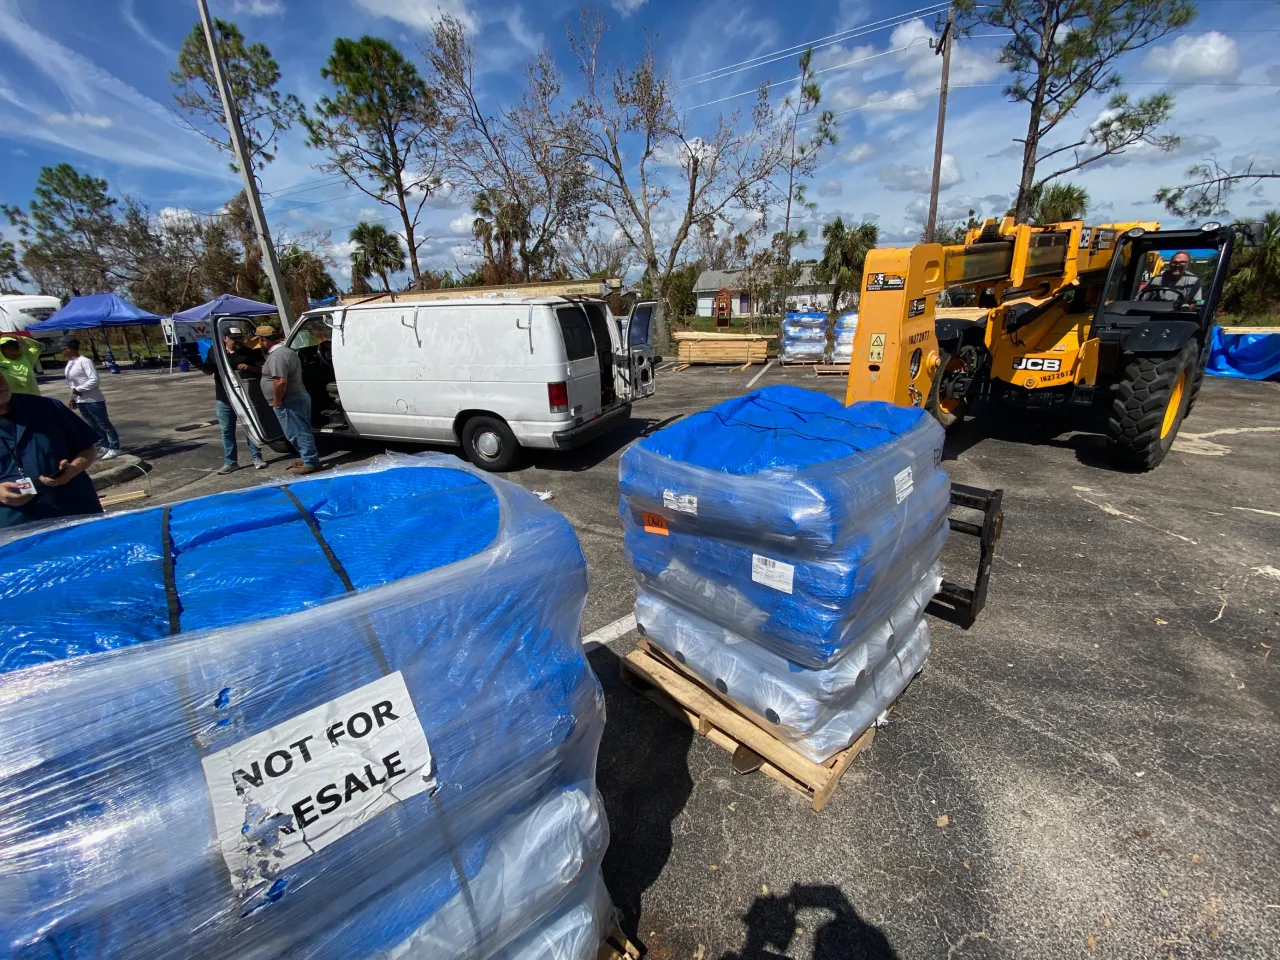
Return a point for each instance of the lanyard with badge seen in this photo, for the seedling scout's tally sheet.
(26, 486)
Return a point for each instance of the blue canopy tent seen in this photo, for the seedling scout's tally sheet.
(226, 306)
(97, 311)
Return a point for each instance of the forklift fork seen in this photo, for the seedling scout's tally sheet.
(968, 603)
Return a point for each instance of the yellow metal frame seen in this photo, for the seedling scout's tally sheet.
(896, 351)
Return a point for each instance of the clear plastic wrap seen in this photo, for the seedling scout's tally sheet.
(804, 337)
(228, 791)
(819, 712)
(782, 465)
(844, 331)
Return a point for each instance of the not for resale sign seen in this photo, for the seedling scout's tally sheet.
(290, 791)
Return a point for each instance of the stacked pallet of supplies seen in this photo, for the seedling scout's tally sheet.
(784, 548)
(846, 328)
(804, 337)
(347, 717)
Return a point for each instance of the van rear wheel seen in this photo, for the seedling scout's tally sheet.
(490, 444)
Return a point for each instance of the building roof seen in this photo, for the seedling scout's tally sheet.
(711, 281)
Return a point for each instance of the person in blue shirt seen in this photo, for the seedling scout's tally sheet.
(45, 450)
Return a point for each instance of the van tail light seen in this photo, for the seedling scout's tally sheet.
(558, 397)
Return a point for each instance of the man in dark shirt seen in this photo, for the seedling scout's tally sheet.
(45, 450)
(247, 363)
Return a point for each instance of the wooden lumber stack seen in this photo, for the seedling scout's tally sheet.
(727, 348)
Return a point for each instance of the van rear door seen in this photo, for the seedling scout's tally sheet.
(584, 365)
(638, 330)
(244, 394)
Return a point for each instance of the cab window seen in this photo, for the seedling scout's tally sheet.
(312, 331)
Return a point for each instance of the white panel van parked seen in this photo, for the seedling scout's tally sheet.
(492, 375)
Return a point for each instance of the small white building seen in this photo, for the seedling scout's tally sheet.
(807, 294)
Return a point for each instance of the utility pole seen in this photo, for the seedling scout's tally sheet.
(943, 47)
(245, 163)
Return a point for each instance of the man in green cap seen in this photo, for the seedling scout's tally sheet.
(18, 359)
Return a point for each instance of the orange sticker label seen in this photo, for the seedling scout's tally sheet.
(655, 523)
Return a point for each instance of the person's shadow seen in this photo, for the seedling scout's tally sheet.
(773, 921)
(643, 777)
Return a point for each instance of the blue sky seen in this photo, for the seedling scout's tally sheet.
(87, 83)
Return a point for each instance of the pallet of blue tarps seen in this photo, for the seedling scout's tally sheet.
(345, 717)
(788, 517)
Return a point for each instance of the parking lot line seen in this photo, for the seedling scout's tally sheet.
(667, 366)
(609, 633)
(752, 382)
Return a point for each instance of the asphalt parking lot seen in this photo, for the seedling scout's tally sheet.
(1103, 742)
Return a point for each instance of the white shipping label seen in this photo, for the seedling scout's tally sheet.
(290, 791)
(902, 485)
(680, 502)
(772, 573)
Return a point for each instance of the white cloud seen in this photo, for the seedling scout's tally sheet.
(831, 188)
(420, 15)
(258, 8)
(627, 7)
(138, 27)
(1209, 56)
(859, 152)
(462, 225)
(523, 34)
(919, 179)
(888, 101)
(79, 119)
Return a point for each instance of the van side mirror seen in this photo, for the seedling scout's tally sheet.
(1251, 234)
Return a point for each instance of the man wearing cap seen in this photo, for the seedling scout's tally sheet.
(283, 389)
(245, 362)
(45, 450)
(18, 358)
(87, 398)
(1177, 283)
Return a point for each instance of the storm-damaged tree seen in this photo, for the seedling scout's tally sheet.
(844, 252)
(10, 271)
(304, 262)
(1062, 51)
(1209, 186)
(649, 174)
(803, 159)
(594, 254)
(377, 252)
(378, 130)
(68, 234)
(501, 228)
(253, 76)
(519, 163)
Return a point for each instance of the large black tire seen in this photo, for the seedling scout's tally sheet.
(489, 443)
(1199, 379)
(1151, 402)
(948, 411)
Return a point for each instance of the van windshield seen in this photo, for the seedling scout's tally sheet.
(576, 329)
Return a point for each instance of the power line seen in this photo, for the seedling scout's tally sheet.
(766, 58)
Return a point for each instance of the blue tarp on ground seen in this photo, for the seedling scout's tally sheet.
(226, 306)
(466, 587)
(96, 310)
(1245, 356)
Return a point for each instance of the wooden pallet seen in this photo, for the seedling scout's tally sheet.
(831, 370)
(800, 363)
(681, 693)
(617, 947)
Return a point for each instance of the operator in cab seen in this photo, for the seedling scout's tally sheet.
(1176, 283)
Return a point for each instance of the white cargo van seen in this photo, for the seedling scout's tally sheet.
(491, 375)
(20, 310)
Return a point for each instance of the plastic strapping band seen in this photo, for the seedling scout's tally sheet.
(338, 568)
(170, 581)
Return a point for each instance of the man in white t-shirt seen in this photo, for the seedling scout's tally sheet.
(87, 398)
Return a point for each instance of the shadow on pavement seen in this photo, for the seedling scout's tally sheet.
(773, 922)
(643, 777)
(594, 453)
(165, 448)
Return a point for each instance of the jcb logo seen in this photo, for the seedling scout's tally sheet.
(1037, 363)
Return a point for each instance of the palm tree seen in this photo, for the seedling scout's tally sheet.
(1056, 202)
(378, 251)
(1253, 284)
(844, 252)
(502, 228)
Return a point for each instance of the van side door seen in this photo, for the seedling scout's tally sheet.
(244, 393)
(583, 385)
(638, 330)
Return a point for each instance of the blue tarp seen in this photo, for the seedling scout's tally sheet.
(226, 306)
(1245, 356)
(466, 587)
(97, 310)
